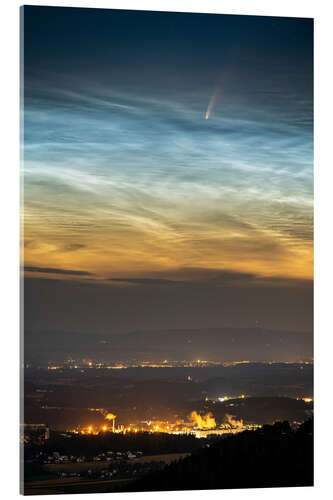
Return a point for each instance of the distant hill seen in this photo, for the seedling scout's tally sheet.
(216, 344)
(262, 410)
(274, 456)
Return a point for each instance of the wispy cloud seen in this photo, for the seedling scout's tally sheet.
(149, 281)
(152, 171)
(210, 278)
(52, 270)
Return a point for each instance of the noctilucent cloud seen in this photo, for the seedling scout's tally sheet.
(167, 149)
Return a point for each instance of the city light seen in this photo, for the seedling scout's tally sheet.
(307, 400)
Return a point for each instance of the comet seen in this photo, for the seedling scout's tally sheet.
(212, 103)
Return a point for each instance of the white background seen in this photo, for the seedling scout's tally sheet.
(9, 234)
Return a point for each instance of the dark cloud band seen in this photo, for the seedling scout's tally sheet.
(52, 270)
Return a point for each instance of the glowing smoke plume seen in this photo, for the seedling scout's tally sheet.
(110, 416)
(205, 422)
(232, 422)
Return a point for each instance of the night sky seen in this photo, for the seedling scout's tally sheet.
(168, 170)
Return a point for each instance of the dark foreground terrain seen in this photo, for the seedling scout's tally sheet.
(273, 456)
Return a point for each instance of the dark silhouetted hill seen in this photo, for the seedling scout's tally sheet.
(219, 344)
(274, 456)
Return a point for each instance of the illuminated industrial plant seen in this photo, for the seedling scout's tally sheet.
(197, 425)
